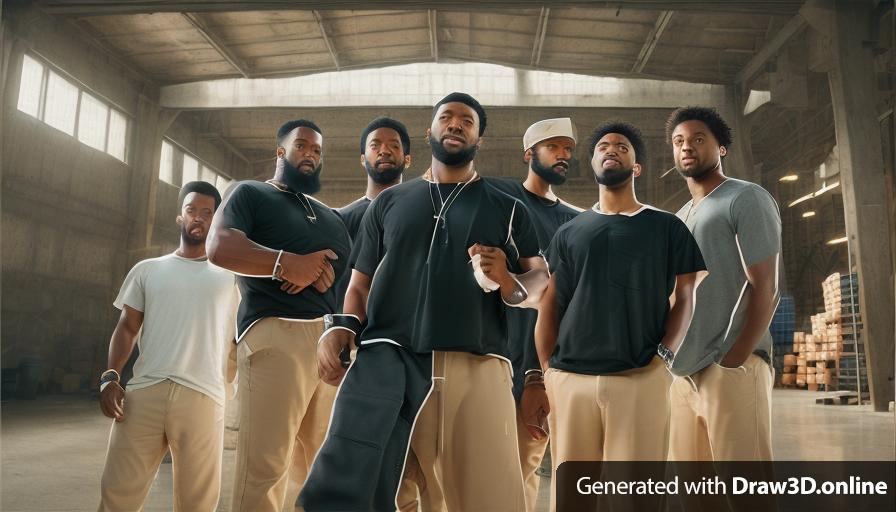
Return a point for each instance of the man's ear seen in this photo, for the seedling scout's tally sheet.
(280, 152)
(363, 161)
(636, 170)
(479, 142)
(527, 156)
(407, 161)
(428, 133)
(723, 151)
(180, 220)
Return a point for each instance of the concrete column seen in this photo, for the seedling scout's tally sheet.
(852, 83)
(150, 126)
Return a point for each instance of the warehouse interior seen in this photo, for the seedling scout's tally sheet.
(109, 106)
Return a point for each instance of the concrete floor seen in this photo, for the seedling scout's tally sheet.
(53, 448)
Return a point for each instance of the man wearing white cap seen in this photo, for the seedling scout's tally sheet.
(548, 148)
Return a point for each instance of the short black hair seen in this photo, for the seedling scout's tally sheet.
(289, 126)
(708, 116)
(466, 99)
(629, 131)
(200, 187)
(387, 122)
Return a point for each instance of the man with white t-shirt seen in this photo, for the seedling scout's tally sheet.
(186, 308)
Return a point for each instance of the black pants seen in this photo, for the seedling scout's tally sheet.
(359, 465)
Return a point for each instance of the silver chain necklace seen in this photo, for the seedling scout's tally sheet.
(304, 201)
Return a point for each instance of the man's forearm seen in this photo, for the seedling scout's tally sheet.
(231, 249)
(120, 348)
(761, 306)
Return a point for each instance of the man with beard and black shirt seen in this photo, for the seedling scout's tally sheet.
(431, 382)
(385, 154)
(606, 312)
(548, 147)
(287, 249)
(181, 308)
(721, 396)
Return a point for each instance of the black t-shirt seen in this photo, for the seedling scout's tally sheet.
(351, 214)
(614, 275)
(547, 216)
(423, 294)
(278, 220)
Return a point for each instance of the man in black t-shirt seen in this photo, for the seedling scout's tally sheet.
(432, 270)
(548, 148)
(385, 155)
(606, 314)
(287, 249)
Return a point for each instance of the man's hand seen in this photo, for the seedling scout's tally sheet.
(326, 279)
(493, 263)
(301, 270)
(534, 409)
(112, 401)
(329, 366)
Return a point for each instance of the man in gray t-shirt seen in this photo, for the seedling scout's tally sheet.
(721, 397)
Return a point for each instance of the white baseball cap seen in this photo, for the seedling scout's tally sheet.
(559, 127)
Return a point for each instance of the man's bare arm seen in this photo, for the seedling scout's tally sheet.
(548, 324)
(682, 310)
(120, 348)
(762, 299)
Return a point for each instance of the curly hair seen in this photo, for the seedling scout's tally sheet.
(708, 116)
(629, 131)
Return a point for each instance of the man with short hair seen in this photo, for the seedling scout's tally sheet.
(606, 314)
(721, 397)
(431, 381)
(185, 308)
(548, 149)
(287, 249)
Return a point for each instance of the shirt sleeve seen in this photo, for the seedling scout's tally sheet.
(522, 232)
(367, 247)
(238, 211)
(132, 291)
(757, 225)
(684, 253)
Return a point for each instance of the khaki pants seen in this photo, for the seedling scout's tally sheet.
(617, 417)
(531, 453)
(465, 438)
(156, 418)
(284, 411)
(722, 413)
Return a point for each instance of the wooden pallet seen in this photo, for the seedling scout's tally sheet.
(842, 398)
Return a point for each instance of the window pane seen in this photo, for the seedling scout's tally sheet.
(62, 103)
(191, 170)
(92, 122)
(208, 175)
(166, 165)
(29, 87)
(118, 135)
(222, 184)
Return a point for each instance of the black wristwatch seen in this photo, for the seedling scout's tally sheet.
(665, 354)
(107, 377)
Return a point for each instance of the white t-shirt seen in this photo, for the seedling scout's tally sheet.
(189, 320)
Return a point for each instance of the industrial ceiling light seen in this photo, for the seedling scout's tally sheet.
(808, 214)
(837, 241)
(824, 188)
(788, 178)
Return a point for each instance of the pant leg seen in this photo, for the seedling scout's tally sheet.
(577, 426)
(531, 454)
(276, 387)
(480, 456)
(136, 448)
(635, 411)
(737, 405)
(688, 437)
(195, 430)
(312, 432)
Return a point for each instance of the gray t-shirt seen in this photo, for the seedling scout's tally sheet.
(737, 225)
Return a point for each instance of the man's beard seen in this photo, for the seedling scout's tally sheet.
(612, 178)
(298, 181)
(697, 174)
(189, 239)
(547, 173)
(386, 177)
(462, 157)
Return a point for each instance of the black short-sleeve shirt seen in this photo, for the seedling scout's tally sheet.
(351, 214)
(277, 220)
(423, 294)
(547, 217)
(614, 275)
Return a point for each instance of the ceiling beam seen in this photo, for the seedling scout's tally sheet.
(653, 38)
(540, 32)
(229, 145)
(433, 34)
(108, 7)
(216, 42)
(757, 63)
(323, 33)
